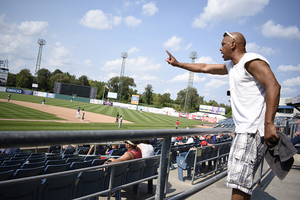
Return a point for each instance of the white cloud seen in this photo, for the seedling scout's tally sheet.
(132, 21)
(232, 11)
(133, 50)
(185, 77)
(87, 63)
(149, 9)
(141, 64)
(33, 27)
(99, 20)
(215, 83)
(291, 82)
(205, 59)
(2, 16)
(188, 46)
(288, 68)
(266, 51)
(60, 56)
(270, 29)
(287, 91)
(173, 43)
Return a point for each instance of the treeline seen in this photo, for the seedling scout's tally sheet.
(46, 80)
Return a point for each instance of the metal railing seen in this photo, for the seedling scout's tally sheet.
(10, 139)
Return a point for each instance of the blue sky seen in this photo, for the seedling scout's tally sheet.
(88, 37)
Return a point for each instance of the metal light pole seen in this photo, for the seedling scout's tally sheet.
(193, 56)
(124, 55)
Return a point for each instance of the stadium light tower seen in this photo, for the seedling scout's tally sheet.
(124, 55)
(193, 56)
(41, 42)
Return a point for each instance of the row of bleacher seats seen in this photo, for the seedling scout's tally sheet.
(84, 183)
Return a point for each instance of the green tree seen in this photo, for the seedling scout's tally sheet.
(57, 71)
(83, 80)
(43, 79)
(194, 99)
(24, 79)
(100, 88)
(127, 84)
(11, 80)
(148, 93)
(156, 100)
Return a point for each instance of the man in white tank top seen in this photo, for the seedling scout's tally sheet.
(255, 94)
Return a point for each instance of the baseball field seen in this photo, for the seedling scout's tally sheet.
(25, 113)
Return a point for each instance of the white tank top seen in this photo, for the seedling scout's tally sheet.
(248, 96)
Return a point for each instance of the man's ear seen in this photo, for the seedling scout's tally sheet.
(233, 45)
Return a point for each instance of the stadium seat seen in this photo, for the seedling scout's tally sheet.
(98, 162)
(21, 173)
(58, 188)
(91, 157)
(55, 162)
(20, 191)
(53, 158)
(13, 162)
(57, 168)
(36, 159)
(78, 159)
(90, 182)
(134, 173)
(118, 179)
(150, 169)
(6, 175)
(81, 164)
(116, 152)
(32, 165)
(65, 156)
(10, 167)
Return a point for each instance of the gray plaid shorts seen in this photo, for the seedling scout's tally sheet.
(246, 153)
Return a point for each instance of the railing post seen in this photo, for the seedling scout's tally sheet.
(163, 168)
(260, 171)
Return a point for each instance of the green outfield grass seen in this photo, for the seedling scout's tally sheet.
(143, 120)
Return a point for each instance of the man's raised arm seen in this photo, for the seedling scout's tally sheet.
(219, 69)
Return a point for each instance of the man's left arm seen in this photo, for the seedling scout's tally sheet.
(263, 73)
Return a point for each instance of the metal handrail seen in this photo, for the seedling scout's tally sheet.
(11, 139)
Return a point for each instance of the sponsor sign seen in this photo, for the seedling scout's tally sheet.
(135, 99)
(27, 92)
(50, 95)
(13, 90)
(112, 95)
(107, 103)
(2, 89)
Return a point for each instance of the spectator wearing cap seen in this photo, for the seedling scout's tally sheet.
(133, 152)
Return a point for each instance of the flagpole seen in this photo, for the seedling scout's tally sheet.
(103, 93)
(108, 91)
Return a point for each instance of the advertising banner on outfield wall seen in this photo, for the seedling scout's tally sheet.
(40, 94)
(108, 103)
(13, 90)
(2, 89)
(50, 95)
(27, 92)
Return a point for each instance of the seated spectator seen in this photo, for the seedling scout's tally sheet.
(52, 148)
(190, 140)
(153, 141)
(145, 147)
(91, 150)
(68, 146)
(110, 150)
(10, 151)
(203, 143)
(210, 141)
(296, 140)
(133, 152)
